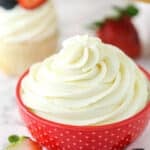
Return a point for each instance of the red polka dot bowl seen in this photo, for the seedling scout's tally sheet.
(56, 136)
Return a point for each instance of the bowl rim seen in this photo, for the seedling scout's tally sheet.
(77, 127)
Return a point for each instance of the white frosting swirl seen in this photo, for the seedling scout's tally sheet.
(21, 25)
(86, 83)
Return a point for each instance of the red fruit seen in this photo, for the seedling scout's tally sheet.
(22, 143)
(122, 34)
(120, 31)
(31, 4)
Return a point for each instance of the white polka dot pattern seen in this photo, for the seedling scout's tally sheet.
(68, 138)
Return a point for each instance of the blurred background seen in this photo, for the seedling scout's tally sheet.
(75, 15)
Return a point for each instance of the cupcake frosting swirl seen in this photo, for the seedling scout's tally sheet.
(86, 83)
(21, 25)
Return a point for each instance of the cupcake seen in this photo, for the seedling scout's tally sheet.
(28, 33)
(87, 83)
(86, 93)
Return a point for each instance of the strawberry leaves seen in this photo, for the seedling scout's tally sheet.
(22, 143)
(130, 11)
(13, 138)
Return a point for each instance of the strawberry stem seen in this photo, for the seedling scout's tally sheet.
(13, 138)
(130, 11)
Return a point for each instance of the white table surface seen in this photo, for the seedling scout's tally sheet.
(73, 15)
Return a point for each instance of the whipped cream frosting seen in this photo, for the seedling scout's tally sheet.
(21, 25)
(86, 83)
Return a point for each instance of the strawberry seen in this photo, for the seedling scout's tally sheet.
(121, 32)
(22, 143)
(30, 4)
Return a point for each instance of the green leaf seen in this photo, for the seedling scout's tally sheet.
(131, 10)
(95, 25)
(13, 138)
